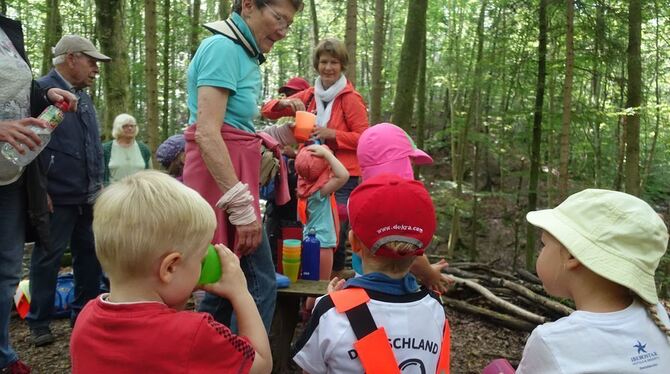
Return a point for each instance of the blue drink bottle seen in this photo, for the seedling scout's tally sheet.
(311, 253)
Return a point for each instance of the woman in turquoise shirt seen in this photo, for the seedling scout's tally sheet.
(222, 148)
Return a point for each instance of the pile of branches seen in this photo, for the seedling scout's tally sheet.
(517, 300)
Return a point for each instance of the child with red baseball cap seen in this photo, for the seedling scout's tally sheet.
(392, 222)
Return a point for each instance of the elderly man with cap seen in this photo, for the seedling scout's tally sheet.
(73, 162)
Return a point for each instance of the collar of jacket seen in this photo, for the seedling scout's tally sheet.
(230, 29)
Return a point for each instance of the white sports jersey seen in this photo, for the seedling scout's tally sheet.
(621, 342)
(414, 324)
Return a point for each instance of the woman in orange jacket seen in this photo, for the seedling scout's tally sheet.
(341, 118)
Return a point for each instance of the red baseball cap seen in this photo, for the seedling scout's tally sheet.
(295, 83)
(388, 208)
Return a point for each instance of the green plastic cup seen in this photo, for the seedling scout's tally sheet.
(211, 267)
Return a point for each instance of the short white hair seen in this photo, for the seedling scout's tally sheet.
(119, 121)
(58, 59)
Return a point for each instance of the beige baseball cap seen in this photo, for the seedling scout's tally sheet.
(616, 235)
(76, 43)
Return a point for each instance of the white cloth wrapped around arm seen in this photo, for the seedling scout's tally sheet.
(238, 203)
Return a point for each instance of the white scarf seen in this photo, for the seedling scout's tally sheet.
(321, 96)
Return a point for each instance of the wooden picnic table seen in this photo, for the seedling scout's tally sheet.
(286, 319)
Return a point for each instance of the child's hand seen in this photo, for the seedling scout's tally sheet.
(318, 150)
(232, 282)
(294, 104)
(335, 284)
(436, 280)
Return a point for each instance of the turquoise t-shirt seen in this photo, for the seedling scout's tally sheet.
(219, 62)
(320, 218)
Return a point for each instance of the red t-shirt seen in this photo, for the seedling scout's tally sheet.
(150, 337)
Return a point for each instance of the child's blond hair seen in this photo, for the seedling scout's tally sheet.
(145, 215)
(395, 264)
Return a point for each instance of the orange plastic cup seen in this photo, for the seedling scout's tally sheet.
(304, 124)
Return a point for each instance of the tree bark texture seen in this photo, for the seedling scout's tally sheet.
(537, 132)
(115, 79)
(403, 103)
(194, 35)
(377, 64)
(632, 168)
(167, 58)
(151, 72)
(350, 36)
(53, 30)
(564, 176)
(315, 22)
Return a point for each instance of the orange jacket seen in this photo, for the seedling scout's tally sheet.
(349, 119)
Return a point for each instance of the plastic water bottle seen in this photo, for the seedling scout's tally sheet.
(311, 254)
(53, 115)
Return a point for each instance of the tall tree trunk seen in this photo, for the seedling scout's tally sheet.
(620, 133)
(596, 90)
(377, 64)
(421, 95)
(53, 30)
(632, 168)
(110, 15)
(194, 34)
(315, 21)
(564, 176)
(151, 72)
(167, 58)
(350, 39)
(409, 62)
(224, 9)
(537, 132)
(657, 93)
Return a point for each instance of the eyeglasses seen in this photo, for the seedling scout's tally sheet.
(283, 23)
(128, 125)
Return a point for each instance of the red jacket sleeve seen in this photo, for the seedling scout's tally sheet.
(356, 117)
(270, 112)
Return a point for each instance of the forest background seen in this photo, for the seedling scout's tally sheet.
(520, 102)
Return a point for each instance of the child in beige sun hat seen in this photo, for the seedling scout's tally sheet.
(601, 248)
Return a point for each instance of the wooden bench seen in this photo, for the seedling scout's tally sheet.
(286, 319)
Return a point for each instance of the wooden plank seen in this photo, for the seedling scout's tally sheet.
(305, 288)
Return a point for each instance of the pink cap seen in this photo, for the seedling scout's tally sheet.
(386, 148)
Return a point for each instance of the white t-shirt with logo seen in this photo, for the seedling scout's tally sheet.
(414, 324)
(627, 341)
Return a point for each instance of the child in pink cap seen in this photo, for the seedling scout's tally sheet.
(320, 174)
(387, 149)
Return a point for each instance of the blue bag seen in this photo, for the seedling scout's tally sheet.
(64, 295)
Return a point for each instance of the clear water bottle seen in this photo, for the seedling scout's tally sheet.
(53, 115)
(311, 254)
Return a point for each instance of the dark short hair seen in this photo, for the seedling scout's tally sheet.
(334, 47)
(237, 4)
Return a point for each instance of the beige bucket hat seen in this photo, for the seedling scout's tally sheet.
(616, 235)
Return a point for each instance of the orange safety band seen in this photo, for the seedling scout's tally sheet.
(349, 298)
(373, 349)
(302, 215)
(444, 361)
(375, 353)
